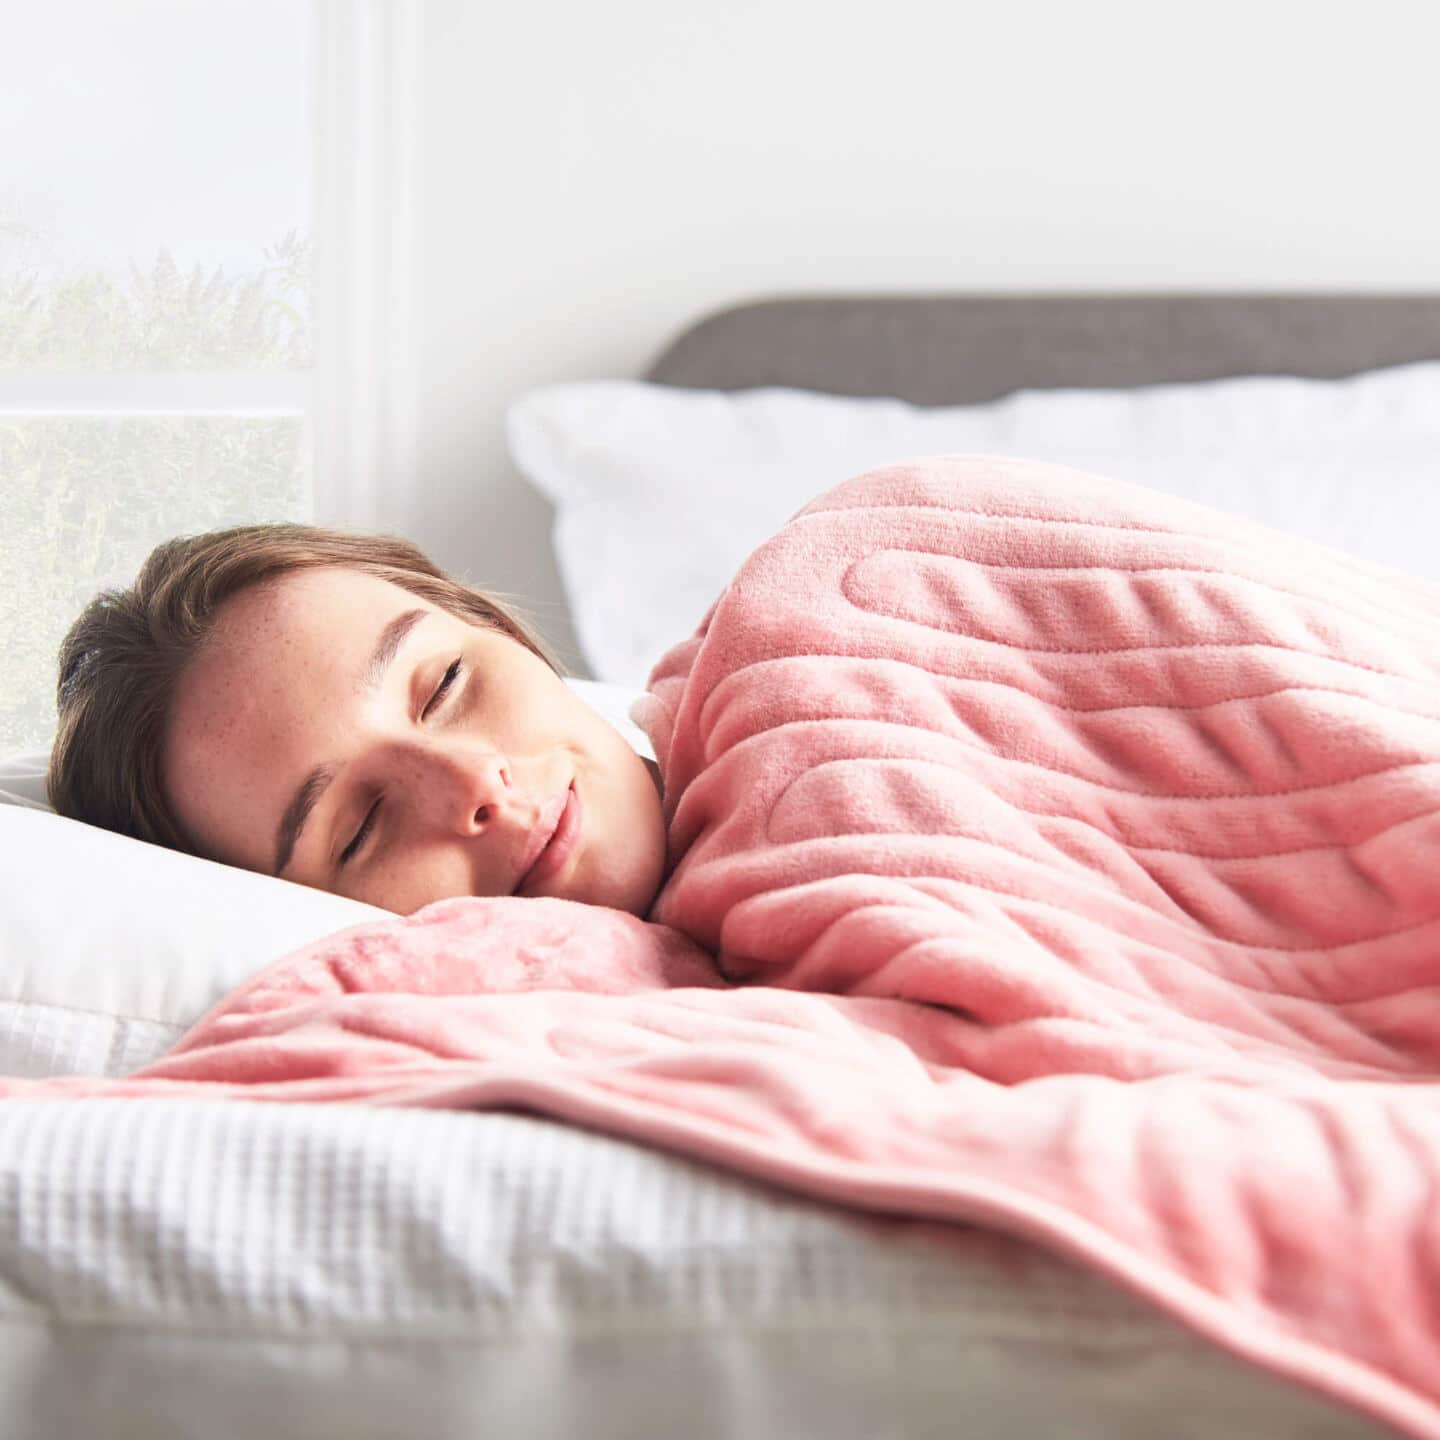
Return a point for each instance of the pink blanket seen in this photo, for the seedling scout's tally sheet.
(1140, 803)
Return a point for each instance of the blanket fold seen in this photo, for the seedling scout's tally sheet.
(1069, 857)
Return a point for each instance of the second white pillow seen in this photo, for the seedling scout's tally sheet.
(661, 493)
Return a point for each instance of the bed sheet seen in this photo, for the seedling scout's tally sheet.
(193, 1268)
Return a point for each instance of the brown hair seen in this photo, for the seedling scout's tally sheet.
(122, 659)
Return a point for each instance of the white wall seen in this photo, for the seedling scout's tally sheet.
(597, 174)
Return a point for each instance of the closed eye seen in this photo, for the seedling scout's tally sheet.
(445, 684)
(349, 852)
(368, 824)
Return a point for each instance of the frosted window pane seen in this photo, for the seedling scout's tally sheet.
(160, 317)
(156, 213)
(85, 500)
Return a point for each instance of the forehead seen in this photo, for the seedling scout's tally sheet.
(303, 602)
(315, 627)
(269, 694)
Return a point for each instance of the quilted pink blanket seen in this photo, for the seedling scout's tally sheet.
(1070, 858)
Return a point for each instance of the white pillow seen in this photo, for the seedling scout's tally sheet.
(22, 779)
(661, 492)
(110, 948)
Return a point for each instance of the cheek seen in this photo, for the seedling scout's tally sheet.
(409, 883)
(227, 746)
(629, 858)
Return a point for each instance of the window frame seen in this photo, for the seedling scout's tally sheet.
(358, 403)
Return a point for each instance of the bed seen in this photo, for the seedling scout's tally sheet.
(191, 1268)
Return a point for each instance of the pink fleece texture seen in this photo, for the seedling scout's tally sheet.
(1070, 857)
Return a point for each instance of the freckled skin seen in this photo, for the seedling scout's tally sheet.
(462, 789)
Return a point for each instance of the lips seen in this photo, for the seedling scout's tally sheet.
(552, 843)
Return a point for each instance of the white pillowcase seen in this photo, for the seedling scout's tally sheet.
(110, 949)
(661, 492)
(22, 779)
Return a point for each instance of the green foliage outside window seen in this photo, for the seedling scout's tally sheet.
(160, 317)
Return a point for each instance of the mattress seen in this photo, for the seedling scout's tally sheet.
(201, 1269)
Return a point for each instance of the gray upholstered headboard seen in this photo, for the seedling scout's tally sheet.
(959, 349)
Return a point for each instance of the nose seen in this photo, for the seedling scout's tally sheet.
(463, 790)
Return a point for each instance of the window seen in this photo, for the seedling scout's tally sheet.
(156, 352)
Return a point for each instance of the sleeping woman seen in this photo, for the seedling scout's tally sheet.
(333, 709)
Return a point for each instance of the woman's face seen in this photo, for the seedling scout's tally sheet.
(340, 731)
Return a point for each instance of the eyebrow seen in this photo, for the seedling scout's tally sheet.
(315, 784)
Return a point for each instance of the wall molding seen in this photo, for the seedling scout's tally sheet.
(367, 127)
